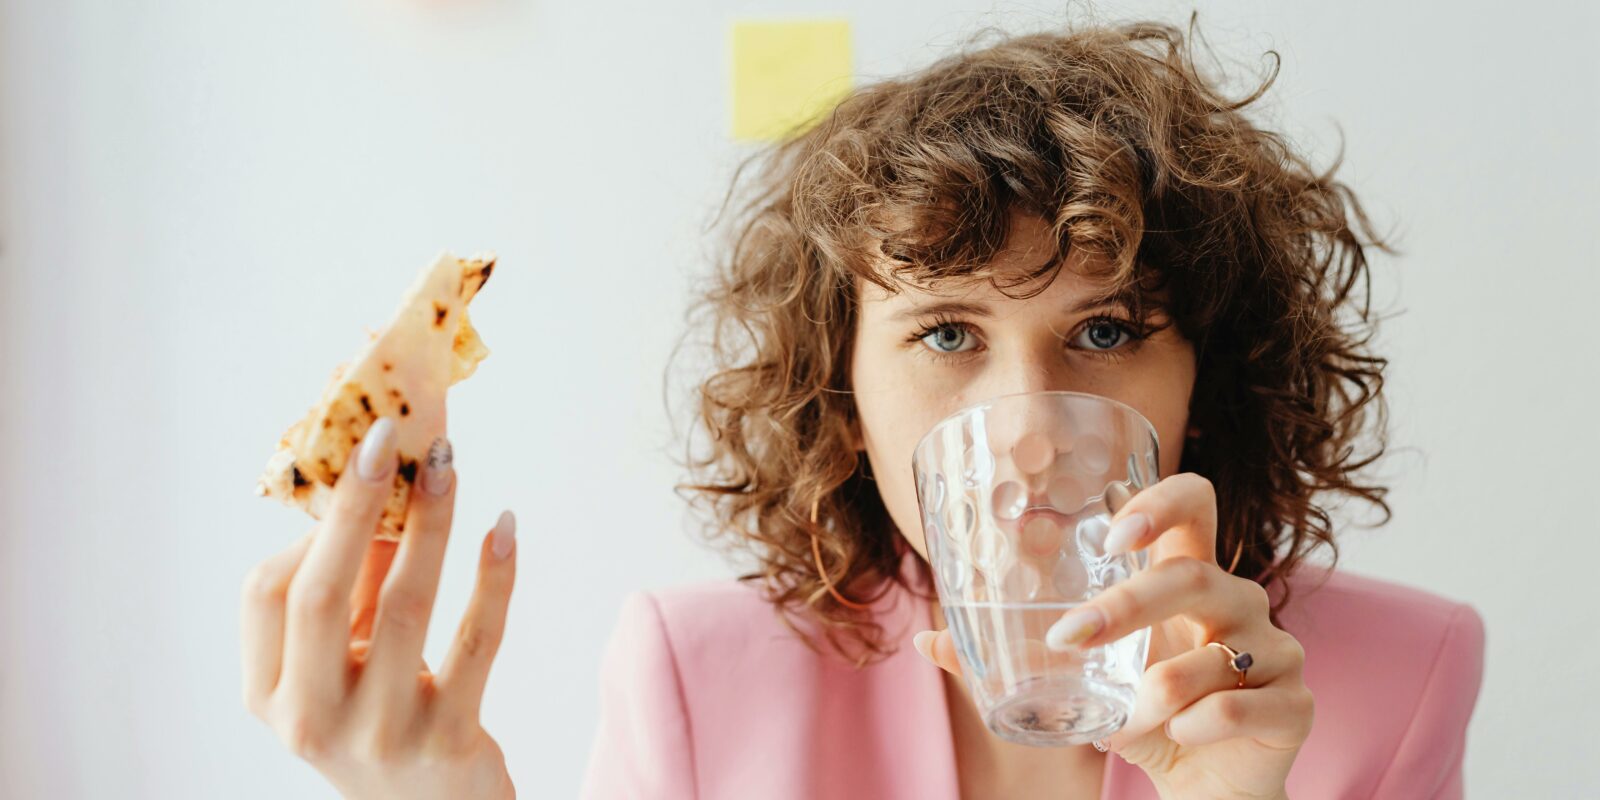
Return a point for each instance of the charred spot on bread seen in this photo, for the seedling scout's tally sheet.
(412, 361)
(473, 279)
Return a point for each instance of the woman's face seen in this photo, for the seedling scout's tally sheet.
(914, 364)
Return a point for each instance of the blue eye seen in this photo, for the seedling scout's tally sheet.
(1103, 334)
(947, 338)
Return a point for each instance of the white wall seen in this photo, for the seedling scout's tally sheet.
(204, 202)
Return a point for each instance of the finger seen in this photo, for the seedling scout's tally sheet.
(1180, 511)
(358, 653)
(317, 637)
(1222, 603)
(1274, 716)
(939, 648)
(364, 598)
(406, 602)
(1176, 683)
(466, 666)
(261, 624)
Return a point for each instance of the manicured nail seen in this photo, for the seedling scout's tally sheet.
(503, 536)
(1074, 626)
(1126, 532)
(375, 462)
(924, 643)
(437, 473)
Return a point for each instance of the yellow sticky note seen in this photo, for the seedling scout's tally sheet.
(787, 75)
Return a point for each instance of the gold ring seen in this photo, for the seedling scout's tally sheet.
(1238, 662)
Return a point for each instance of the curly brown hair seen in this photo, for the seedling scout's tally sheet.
(1112, 135)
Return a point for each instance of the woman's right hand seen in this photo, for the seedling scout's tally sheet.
(333, 636)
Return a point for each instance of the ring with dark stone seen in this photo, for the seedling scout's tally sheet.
(1239, 662)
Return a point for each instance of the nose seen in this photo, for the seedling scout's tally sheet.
(1028, 374)
(1038, 366)
(1031, 429)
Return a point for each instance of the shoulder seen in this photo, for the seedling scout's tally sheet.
(668, 651)
(1343, 617)
(662, 636)
(1396, 672)
(757, 704)
(694, 613)
(642, 745)
(708, 636)
(727, 630)
(1316, 591)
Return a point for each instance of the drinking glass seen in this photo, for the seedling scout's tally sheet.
(1016, 495)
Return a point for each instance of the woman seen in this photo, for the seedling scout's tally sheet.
(1081, 212)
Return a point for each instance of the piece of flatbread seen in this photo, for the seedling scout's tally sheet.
(402, 373)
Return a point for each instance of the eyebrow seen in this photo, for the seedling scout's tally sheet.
(982, 310)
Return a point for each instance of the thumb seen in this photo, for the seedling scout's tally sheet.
(939, 650)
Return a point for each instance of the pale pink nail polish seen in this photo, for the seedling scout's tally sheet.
(375, 461)
(504, 535)
(924, 643)
(1074, 626)
(1126, 532)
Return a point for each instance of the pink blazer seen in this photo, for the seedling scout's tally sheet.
(706, 694)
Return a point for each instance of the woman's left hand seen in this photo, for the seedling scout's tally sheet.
(1193, 730)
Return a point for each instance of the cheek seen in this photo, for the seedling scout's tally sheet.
(1170, 416)
(892, 422)
(899, 493)
(1163, 393)
(1172, 442)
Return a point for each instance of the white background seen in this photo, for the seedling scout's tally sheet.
(204, 202)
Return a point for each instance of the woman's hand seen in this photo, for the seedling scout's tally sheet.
(1193, 731)
(333, 636)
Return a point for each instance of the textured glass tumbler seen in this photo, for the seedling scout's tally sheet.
(1016, 496)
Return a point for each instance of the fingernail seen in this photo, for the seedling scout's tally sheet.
(924, 643)
(504, 535)
(437, 473)
(376, 460)
(1074, 626)
(1126, 532)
